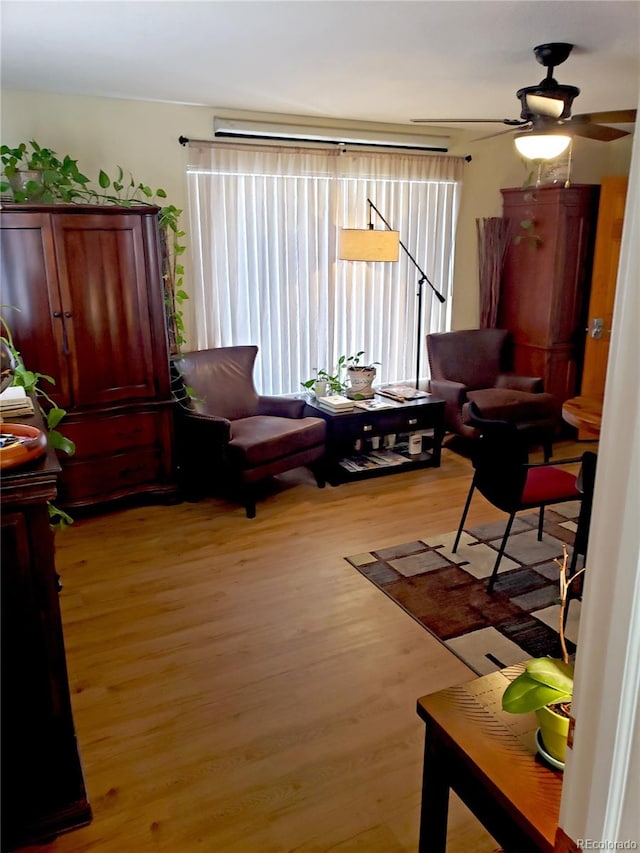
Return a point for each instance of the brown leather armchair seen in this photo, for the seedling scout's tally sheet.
(475, 365)
(231, 434)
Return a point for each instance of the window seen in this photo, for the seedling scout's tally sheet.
(264, 224)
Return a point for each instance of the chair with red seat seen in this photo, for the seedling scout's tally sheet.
(504, 476)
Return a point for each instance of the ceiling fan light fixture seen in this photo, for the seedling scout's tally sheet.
(541, 146)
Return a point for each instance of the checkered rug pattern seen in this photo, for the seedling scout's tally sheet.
(447, 592)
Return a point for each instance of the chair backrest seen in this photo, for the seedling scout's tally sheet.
(474, 357)
(587, 479)
(500, 459)
(222, 380)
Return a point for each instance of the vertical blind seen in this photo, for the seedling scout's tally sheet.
(264, 224)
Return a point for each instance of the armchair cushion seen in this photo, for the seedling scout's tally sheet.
(531, 384)
(263, 438)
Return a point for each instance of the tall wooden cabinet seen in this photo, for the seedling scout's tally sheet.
(43, 790)
(545, 281)
(87, 286)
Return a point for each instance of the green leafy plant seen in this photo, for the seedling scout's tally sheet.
(334, 385)
(352, 362)
(528, 225)
(30, 380)
(58, 179)
(62, 181)
(545, 681)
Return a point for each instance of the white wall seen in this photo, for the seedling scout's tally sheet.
(142, 137)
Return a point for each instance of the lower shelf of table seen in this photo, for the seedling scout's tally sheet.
(361, 466)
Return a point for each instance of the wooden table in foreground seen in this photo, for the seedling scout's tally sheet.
(585, 413)
(488, 757)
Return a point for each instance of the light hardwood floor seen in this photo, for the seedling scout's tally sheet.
(238, 687)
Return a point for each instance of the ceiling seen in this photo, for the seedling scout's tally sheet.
(379, 61)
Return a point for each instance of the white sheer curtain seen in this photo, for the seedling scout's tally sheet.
(264, 225)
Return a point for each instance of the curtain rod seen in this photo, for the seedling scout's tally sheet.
(185, 140)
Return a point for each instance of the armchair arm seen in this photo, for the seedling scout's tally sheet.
(281, 407)
(455, 396)
(533, 384)
(218, 429)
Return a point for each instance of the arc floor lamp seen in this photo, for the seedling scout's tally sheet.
(369, 244)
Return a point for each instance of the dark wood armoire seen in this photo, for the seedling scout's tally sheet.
(545, 282)
(83, 296)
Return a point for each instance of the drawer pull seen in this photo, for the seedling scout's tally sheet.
(413, 421)
(367, 428)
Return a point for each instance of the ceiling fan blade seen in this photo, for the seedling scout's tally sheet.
(608, 117)
(493, 135)
(595, 131)
(510, 121)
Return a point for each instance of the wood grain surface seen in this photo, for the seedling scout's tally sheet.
(238, 687)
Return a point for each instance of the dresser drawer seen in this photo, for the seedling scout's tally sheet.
(95, 436)
(111, 477)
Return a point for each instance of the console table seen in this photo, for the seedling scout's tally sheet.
(352, 436)
(488, 757)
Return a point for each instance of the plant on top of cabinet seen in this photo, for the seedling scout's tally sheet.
(47, 178)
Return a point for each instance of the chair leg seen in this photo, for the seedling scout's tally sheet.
(507, 531)
(540, 523)
(318, 470)
(249, 499)
(464, 514)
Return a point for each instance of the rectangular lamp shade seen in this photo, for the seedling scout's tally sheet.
(367, 244)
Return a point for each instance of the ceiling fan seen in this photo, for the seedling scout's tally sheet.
(546, 107)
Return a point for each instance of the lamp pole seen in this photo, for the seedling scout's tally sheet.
(423, 278)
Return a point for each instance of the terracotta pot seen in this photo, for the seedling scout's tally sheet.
(554, 730)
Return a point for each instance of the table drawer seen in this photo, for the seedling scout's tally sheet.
(386, 422)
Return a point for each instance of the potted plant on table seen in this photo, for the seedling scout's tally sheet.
(323, 383)
(546, 686)
(359, 376)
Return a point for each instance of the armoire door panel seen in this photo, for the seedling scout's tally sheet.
(104, 284)
(31, 301)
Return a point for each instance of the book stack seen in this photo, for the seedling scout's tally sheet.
(14, 402)
(337, 403)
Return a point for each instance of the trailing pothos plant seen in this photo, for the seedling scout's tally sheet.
(62, 181)
(30, 380)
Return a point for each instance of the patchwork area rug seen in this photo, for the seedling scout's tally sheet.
(446, 592)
